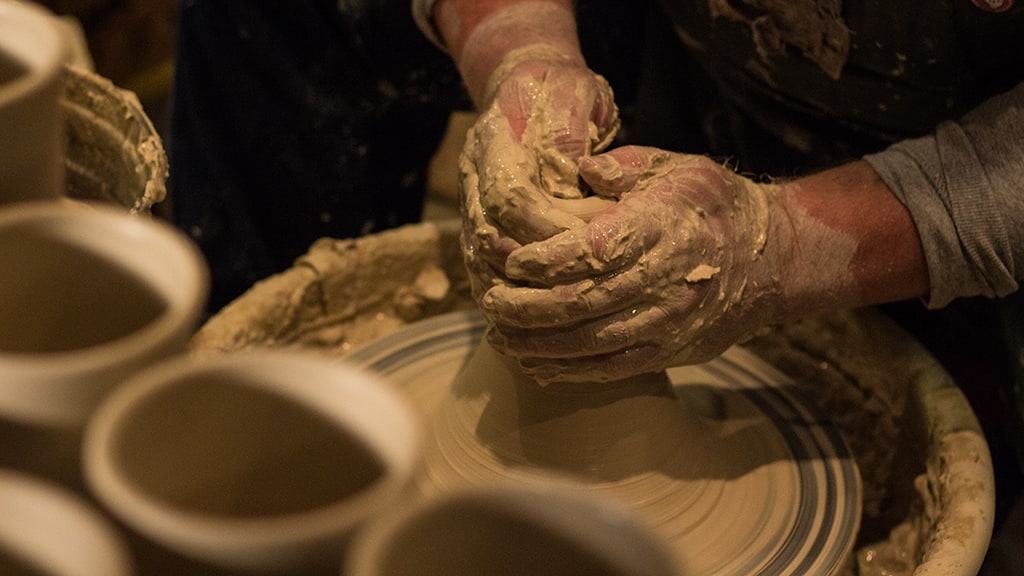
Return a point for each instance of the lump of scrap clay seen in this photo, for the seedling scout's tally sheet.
(345, 293)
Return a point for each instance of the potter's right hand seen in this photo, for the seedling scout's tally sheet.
(674, 273)
(544, 110)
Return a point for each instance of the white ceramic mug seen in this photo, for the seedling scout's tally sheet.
(45, 530)
(510, 529)
(32, 55)
(263, 461)
(89, 295)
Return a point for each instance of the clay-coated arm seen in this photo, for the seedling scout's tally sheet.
(846, 206)
(694, 258)
(480, 33)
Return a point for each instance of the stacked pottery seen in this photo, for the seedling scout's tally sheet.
(89, 295)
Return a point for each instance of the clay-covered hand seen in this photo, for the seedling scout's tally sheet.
(675, 272)
(546, 111)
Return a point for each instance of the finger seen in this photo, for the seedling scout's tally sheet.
(562, 130)
(567, 120)
(516, 102)
(576, 101)
(525, 213)
(481, 241)
(594, 369)
(584, 208)
(605, 117)
(508, 184)
(616, 333)
(563, 305)
(614, 239)
(618, 171)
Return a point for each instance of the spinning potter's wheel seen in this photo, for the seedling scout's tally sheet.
(726, 461)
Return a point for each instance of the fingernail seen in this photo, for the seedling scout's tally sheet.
(491, 302)
(598, 164)
(496, 340)
(606, 175)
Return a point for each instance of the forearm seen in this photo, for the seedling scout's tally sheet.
(964, 187)
(479, 33)
(847, 241)
(939, 217)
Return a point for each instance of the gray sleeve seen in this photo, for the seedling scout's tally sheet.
(964, 188)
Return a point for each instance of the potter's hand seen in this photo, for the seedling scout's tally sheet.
(674, 273)
(546, 110)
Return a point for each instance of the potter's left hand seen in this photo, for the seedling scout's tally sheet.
(674, 273)
(546, 110)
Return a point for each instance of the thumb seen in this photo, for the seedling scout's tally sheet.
(617, 171)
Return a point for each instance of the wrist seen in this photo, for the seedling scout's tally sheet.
(846, 241)
(480, 34)
(805, 262)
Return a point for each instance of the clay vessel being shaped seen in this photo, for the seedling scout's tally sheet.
(264, 462)
(696, 458)
(497, 423)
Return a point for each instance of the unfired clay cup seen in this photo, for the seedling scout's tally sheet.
(508, 529)
(32, 53)
(45, 530)
(89, 296)
(263, 462)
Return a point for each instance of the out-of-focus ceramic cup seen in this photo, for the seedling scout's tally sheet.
(263, 462)
(32, 54)
(89, 296)
(47, 531)
(506, 529)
